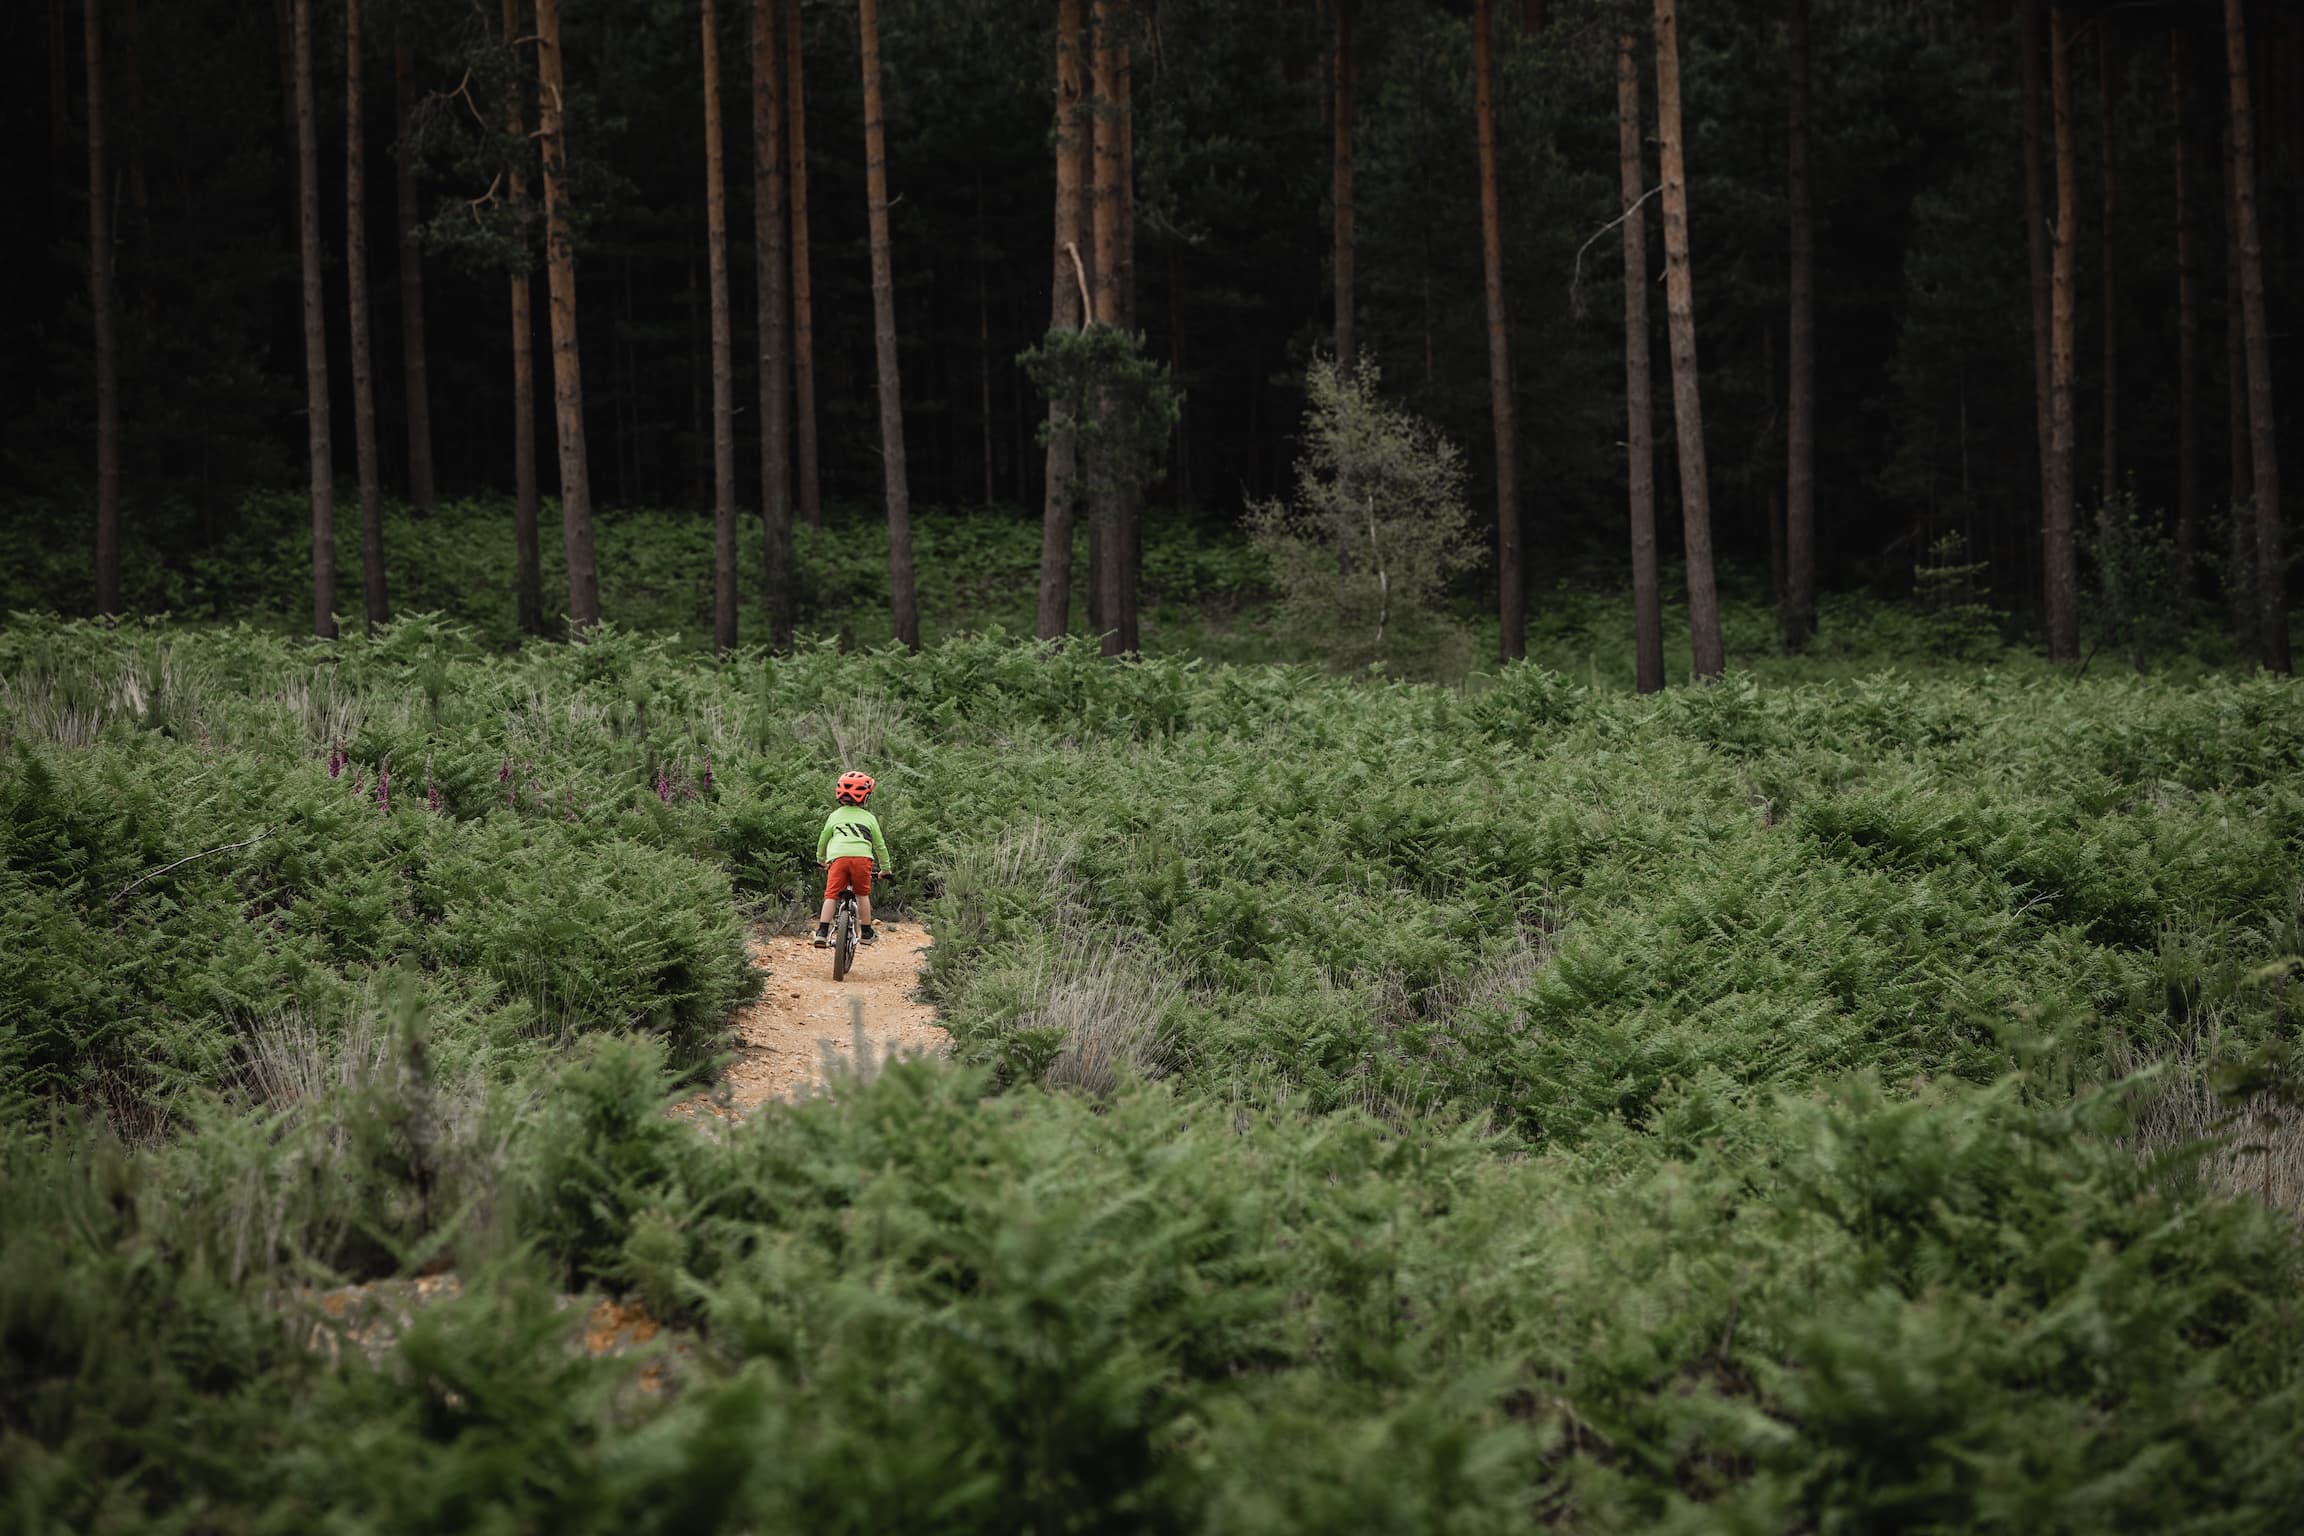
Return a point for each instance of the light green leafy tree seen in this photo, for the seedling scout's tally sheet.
(1362, 553)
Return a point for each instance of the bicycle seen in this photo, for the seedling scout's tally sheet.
(846, 925)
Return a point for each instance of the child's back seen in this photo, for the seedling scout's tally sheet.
(848, 848)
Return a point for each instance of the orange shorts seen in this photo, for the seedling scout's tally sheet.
(849, 873)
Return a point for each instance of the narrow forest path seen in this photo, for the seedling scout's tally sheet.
(782, 1040)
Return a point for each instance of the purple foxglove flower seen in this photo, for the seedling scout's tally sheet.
(706, 777)
(336, 760)
(431, 795)
(384, 785)
(359, 781)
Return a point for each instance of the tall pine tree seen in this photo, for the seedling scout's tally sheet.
(904, 603)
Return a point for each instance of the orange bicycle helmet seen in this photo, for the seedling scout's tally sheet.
(854, 788)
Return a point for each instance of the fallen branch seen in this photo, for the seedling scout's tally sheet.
(188, 858)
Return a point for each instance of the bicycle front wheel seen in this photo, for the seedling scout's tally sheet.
(843, 938)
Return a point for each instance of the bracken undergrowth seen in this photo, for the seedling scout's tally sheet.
(1848, 1105)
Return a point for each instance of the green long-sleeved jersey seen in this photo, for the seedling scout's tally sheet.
(851, 832)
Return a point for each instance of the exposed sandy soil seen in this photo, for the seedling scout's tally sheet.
(802, 1022)
(370, 1317)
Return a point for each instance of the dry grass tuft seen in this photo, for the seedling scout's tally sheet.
(71, 706)
(1033, 852)
(1506, 977)
(2257, 1144)
(292, 1059)
(1111, 1005)
(852, 733)
(325, 712)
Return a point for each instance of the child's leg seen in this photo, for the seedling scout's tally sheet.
(864, 909)
(832, 885)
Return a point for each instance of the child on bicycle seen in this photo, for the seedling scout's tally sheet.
(846, 847)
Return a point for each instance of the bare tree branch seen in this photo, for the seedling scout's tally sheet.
(188, 858)
(1576, 275)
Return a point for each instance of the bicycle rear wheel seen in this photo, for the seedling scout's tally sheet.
(843, 937)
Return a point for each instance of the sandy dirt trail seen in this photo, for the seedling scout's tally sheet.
(782, 1042)
(782, 1039)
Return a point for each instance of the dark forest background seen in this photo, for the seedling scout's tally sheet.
(1925, 414)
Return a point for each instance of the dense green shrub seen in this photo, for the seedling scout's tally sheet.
(1949, 1310)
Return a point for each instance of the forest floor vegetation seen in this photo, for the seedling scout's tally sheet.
(1208, 592)
(1850, 1099)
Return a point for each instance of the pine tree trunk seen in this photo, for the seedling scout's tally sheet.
(1084, 173)
(1346, 357)
(2187, 332)
(567, 362)
(415, 373)
(902, 600)
(2264, 456)
(2059, 559)
(1130, 521)
(723, 348)
(1104, 190)
(356, 283)
(811, 493)
(1106, 545)
(1064, 314)
(1680, 316)
(2036, 238)
(1511, 600)
(772, 262)
(1639, 411)
(528, 552)
(1099, 83)
(1798, 616)
(315, 329)
(100, 305)
(2109, 465)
